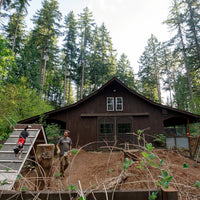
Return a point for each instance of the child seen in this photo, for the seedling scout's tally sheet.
(22, 139)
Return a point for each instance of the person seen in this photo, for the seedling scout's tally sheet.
(64, 147)
(21, 141)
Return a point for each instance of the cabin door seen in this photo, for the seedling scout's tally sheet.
(114, 131)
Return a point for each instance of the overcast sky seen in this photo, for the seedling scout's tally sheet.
(129, 22)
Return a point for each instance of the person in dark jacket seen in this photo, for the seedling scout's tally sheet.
(21, 141)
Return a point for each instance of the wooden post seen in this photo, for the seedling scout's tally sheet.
(44, 157)
(169, 194)
(188, 122)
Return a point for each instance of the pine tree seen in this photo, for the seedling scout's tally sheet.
(176, 21)
(124, 71)
(149, 70)
(21, 9)
(70, 55)
(85, 26)
(15, 31)
(45, 36)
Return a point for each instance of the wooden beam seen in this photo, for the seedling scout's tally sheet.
(113, 114)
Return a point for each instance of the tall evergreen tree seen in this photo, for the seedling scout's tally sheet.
(15, 31)
(70, 55)
(149, 71)
(21, 9)
(45, 36)
(176, 22)
(86, 24)
(124, 71)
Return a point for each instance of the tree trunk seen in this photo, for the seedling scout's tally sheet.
(16, 29)
(69, 87)
(65, 83)
(44, 157)
(1, 3)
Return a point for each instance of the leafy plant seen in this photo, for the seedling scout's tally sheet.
(197, 184)
(57, 175)
(148, 156)
(111, 170)
(149, 147)
(4, 182)
(52, 130)
(165, 179)
(81, 198)
(139, 132)
(71, 187)
(74, 151)
(159, 140)
(127, 163)
(19, 177)
(153, 196)
(185, 166)
(23, 189)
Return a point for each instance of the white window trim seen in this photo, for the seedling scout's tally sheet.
(116, 98)
(113, 102)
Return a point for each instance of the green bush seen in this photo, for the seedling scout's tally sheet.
(159, 140)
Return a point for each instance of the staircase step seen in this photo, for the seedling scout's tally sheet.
(11, 161)
(11, 143)
(11, 151)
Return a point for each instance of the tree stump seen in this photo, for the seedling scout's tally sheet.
(44, 157)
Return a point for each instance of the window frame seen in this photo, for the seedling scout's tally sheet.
(116, 104)
(110, 104)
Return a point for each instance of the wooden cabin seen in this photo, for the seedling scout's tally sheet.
(108, 114)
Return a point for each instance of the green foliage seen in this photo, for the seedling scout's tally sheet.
(149, 147)
(18, 102)
(159, 140)
(71, 187)
(82, 198)
(23, 189)
(127, 163)
(4, 182)
(153, 196)
(161, 162)
(52, 130)
(165, 179)
(197, 184)
(74, 151)
(19, 177)
(57, 175)
(7, 59)
(185, 166)
(111, 170)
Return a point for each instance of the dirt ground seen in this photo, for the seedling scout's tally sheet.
(104, 170)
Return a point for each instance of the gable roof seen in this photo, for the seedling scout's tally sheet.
(116, 80)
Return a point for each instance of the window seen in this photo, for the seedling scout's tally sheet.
(110, 103)
(124, 128)
(119, 103)
(106, 128)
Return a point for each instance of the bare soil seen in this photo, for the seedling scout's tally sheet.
(104, 170)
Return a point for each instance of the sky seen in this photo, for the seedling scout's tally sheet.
(129, 22)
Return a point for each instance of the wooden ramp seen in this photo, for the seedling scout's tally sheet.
(10, 165)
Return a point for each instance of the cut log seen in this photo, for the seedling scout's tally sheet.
(44, 157)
